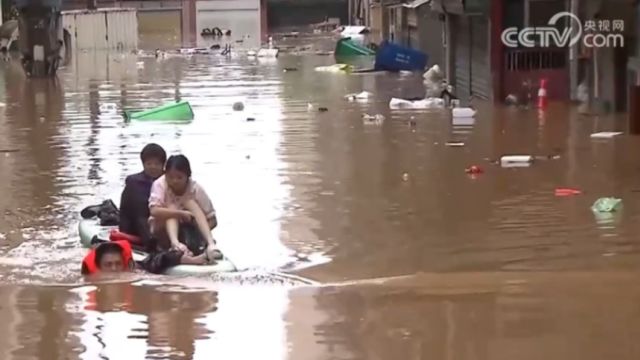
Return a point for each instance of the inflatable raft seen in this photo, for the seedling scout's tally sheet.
(91, 232)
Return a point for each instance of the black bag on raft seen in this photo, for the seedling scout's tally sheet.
(107, 212)
(159, 261)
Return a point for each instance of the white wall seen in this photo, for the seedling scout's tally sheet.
(90, 31)
(242, 17)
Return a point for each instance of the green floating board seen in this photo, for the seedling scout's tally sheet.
(347, 47)
(178, 111)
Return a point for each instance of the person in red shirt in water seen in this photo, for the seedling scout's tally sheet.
(109, 257)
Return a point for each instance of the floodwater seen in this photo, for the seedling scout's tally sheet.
(406, 255)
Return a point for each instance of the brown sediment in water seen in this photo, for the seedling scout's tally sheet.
(450, 266)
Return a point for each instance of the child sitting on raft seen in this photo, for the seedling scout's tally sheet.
(134, 201)
(177, 200)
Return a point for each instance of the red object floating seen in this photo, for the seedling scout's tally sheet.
(567, 192)
(474, 170)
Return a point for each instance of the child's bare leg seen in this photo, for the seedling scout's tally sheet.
(172, 226)
(172, 231)
(201, 220)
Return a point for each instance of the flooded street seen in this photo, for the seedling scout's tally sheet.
(406, 255)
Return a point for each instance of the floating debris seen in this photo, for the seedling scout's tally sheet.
(238, 106)
(606, 204)
(336, 68)
(373, 119)
(567, 192)
(605, 134)
(463, 112)
(474, 170)
(428, 103)
(358, 96)
(268, 53)
(108, 107)
(516, 160)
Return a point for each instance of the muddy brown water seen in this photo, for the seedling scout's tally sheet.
(414, 258)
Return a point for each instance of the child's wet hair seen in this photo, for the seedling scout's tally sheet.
(179, 163)
(153, 151)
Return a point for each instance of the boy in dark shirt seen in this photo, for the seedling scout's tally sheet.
(134, 202)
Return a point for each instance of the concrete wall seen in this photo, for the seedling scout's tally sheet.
(607, 69)
(377, 23)
(431, 33)
(296, 13)
(101, 29)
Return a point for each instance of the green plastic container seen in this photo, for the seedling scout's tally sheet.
(178, 111)
(347, 47)
(606, 205)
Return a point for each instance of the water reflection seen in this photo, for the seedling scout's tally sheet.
(31, 119)
(188, 321)
(468, 316)
(35, 324)
(529, 315)
(122, 320)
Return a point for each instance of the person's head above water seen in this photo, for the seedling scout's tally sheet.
(153, 158)
(177, 173)
(108, 257)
